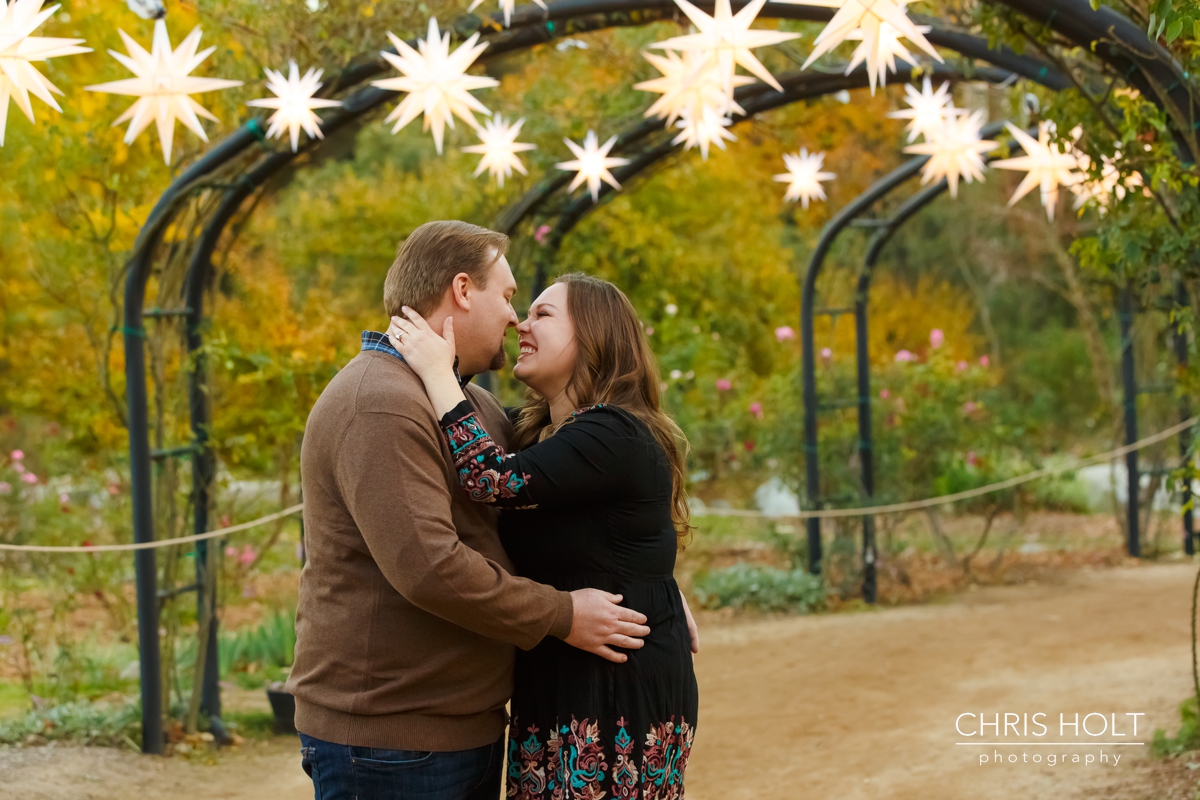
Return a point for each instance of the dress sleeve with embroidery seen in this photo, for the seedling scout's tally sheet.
(586, 460)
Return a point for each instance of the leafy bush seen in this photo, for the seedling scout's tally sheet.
(1188, 737)
(79, 723)
(763, 588)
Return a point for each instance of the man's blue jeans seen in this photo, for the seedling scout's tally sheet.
(342, 772)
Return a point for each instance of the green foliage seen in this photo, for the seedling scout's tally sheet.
(81, 723)
(1188, 737)
(761, 588)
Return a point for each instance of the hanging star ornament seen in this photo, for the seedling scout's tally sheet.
(888, 49)
(690, 83)
(294, 103)
(163, 86)
(928, 110)
(19, 48)
(506, 6)
(1045, 165)
(591, 164)
(955, 150)
(499, 148)
(728, 39)
(804, 176)
(703, 130)
(865, 19)
(436, 81)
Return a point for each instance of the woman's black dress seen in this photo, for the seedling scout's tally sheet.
(595, 511)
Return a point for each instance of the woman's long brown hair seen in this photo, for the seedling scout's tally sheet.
(614, 365)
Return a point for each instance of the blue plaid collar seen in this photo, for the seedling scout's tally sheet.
(374, 340)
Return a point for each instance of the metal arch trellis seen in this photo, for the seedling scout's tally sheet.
(1118, 42)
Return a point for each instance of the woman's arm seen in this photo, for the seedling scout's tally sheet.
(588, 459)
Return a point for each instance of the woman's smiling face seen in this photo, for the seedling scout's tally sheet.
(547, 340)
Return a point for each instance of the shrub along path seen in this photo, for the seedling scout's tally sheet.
(855, 705)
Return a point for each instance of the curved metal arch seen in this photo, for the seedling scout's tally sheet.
(1147, 66)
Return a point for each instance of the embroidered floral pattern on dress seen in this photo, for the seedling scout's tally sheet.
(479, 461)
(571, 764)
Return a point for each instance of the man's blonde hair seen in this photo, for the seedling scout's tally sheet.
(430, 258)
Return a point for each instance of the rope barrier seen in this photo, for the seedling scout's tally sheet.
(117, 548)
(828, 513)
(916, 505)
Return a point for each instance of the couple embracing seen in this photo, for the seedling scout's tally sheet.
(461, 555)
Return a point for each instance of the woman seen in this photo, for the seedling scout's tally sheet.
(594, 497)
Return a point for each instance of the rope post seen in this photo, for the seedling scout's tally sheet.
(1129, 379)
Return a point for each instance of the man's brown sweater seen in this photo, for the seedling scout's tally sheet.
(408, 609)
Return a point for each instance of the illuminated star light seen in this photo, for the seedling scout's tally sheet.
(436, 81)
(1045, 165)
(1110, 183)
(689, 85)
(955, 151)
(591, 163)
(804, 176)
(294, 102)
(889, 49)
(866, 18)
(928, 110)
(163, 85)
(506, 6)
(499, 148)
(728, 38)
(708, 128)
(19, 48)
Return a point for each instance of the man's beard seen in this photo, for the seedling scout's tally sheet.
(498, 360)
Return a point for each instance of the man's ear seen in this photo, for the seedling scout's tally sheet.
(461, 287)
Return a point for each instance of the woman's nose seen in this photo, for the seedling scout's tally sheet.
(523, 327)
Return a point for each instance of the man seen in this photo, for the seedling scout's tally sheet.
(408, 610)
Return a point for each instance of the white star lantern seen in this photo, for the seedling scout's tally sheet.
(887, 49)
(928, 110)
(499, 148)
(163, 85)
(688, 85)
(294, 103)
(804, 176)
(703, 130)
(728, 39)
(506, 6)
(866, 19)
(1045, 165)
(591, 164)
(436, 81)
(955, 150)
(19, 48)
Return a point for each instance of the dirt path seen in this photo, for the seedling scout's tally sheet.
(846, 706)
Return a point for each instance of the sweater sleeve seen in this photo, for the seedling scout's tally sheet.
(586, 460)
(400, 501)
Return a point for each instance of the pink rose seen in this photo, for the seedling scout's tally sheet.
(756, 409)
(884, 394)
(905, 355)
(961, 366)
(784, 333)
(983, 361)
(19, 467)
(540, 235)
(64, 498)
(231, 551)
(650, 331)
(247, 555)
(723, 385)
(17, 455)
(972, 459)
(29, 477)
(826, 353)
(936, 338)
